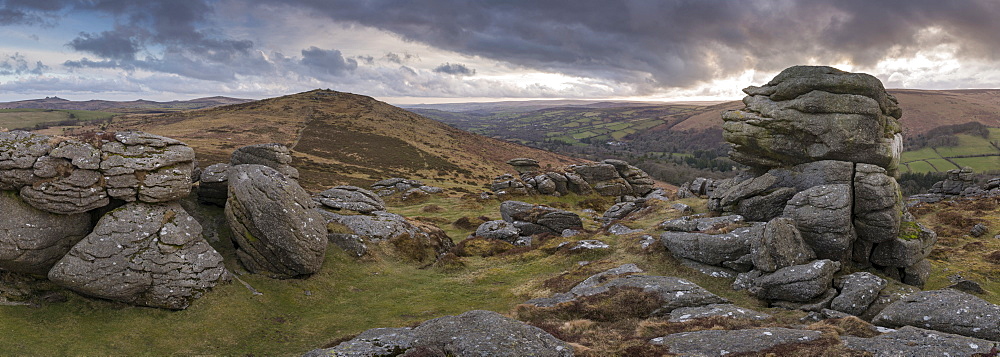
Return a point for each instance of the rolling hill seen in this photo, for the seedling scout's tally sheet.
(339, 138)
(690, 133)
(135, 106)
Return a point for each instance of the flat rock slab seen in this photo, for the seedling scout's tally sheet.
(944, 310)
(350, 198)
(724, 310)
(673, 292)
(913, 341)
(712, 249)
(474, 333)
(797, 283)
(723, 342)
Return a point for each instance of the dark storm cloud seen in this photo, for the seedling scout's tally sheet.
(108, 44)
(327, 62)
(180, 30)
(455, 69)
(16, 64)
(29, 12)
(675, 43)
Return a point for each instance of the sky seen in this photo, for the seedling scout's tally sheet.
(433, 51)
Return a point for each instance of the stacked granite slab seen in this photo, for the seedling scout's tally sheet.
(145, 249)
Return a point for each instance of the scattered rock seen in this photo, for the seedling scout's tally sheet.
(620, 210)
(724, 342)
(275, 228)
(395, 185)
(673, 292)
(424, 241)
(710, 270)
(978, 230)
(533, 219)
(498, 229)
(913, 341)
(857, 291)
(619, 229)
(944, 310)
(474, 333)
(350, 198)
(586, 244)
(956, 181)
(968, 286)
(524, 165)
(143, 254)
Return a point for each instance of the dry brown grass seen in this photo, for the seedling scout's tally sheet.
(340, 138)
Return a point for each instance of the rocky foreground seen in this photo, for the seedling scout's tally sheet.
(815, 230)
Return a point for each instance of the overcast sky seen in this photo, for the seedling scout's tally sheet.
(447, 51)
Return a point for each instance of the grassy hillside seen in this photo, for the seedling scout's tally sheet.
(973, 151)
(340, 138)
(32, 118)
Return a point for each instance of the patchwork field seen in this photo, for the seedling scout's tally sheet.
(981, 154)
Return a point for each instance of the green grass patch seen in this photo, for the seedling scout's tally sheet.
(918, 166)
(922, 154)
(29, 118)
(980, 164)
(968, 145)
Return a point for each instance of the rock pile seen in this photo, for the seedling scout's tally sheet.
(822, 146)
(522, 220)
(958, 183)
(356, 218)
(406, 187)
(147, 252)
(607, 178)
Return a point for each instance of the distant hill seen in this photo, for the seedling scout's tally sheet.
(523, 105)
(690, 133)
(135, 106)
(340, 138)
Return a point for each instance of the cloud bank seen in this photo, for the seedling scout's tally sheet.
(488, 48)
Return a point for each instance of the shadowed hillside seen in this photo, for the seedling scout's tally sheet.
(340, 138)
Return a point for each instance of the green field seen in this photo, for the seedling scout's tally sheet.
(933, 159)
(29, 118)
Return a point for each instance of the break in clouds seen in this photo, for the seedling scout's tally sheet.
(594, 48)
